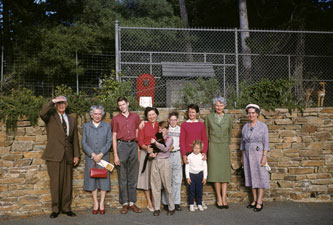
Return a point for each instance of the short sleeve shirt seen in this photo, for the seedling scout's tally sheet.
(125, 127)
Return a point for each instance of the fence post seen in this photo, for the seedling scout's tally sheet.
(236, 62)
(117, 49)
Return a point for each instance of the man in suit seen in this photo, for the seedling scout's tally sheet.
(61, 153)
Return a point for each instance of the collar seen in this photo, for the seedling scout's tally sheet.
(190, 121)
(96, 124)
(64, 114)
(174, 128)
(129, 114)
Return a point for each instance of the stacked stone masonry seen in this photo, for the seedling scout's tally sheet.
(301, 160)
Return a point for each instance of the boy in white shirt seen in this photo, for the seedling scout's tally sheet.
(175, 160)
(196, 175)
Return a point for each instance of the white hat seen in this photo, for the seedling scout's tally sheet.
(252, 106)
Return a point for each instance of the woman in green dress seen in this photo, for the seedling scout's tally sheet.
(218, 126)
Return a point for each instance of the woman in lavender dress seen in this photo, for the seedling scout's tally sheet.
(255, 146)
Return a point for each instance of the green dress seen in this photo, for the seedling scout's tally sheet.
(219, 135)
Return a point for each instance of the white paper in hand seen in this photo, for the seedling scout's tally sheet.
(106, 165)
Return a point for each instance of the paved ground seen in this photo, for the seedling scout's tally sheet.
(274, 213)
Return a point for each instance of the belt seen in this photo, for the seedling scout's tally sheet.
(175, 151)
(126, 141)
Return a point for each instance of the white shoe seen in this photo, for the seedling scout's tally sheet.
(150, 209)
(192, 209)
(200, 208)
(204, 205)
(195, 206)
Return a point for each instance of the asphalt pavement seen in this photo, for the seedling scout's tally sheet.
(273, 213)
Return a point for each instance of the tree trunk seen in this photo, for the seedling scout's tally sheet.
(244, 25)
(184, 17)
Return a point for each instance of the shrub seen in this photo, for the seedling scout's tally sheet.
(20, 103)
(202, 92)
(268, 94)
(111, 90)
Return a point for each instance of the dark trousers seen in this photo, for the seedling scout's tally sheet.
(127, 171)
(60, 174)
(195, 188)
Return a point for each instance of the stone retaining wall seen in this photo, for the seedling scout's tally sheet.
(301, 160)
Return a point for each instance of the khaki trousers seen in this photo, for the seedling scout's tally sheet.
(161, 175)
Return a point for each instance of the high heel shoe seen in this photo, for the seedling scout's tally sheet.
(225, 206)
(219, 206)
(258, 209)
(250, 206)
(102, 211)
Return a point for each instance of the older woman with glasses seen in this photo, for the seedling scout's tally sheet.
(96, 143)
(255, 146)
(218, 126)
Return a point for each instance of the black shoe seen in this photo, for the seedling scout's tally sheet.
(165, 207)
(156, 213)
(250, 206)
(219, 206)
(225, 206)
(258, 209)
(54, 215)
(69, 213)
(177, 207)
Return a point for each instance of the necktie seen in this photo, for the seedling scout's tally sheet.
(64, 124)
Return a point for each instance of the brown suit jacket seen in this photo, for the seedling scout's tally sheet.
(59, 145)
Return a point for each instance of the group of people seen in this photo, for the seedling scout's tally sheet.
(149, 156)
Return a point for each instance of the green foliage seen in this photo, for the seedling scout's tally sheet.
(111, 90)
(20, 103)
(201, 92)
(268, 94)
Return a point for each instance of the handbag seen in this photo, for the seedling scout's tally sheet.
(98, 173)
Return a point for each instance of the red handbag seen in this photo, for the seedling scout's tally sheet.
(98, 173)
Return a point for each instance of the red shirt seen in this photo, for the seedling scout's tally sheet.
(147, 133)
(125, 127)
(190, 132)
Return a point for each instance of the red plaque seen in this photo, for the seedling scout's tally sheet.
(145, 87)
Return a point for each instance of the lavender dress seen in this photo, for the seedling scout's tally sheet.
(254, 142)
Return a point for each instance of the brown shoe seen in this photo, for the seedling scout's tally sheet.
(124, 210)
(171, 212)
(135, 209)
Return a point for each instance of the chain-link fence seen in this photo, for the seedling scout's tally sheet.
(235, 56)
(176, 57)
(84, 72)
